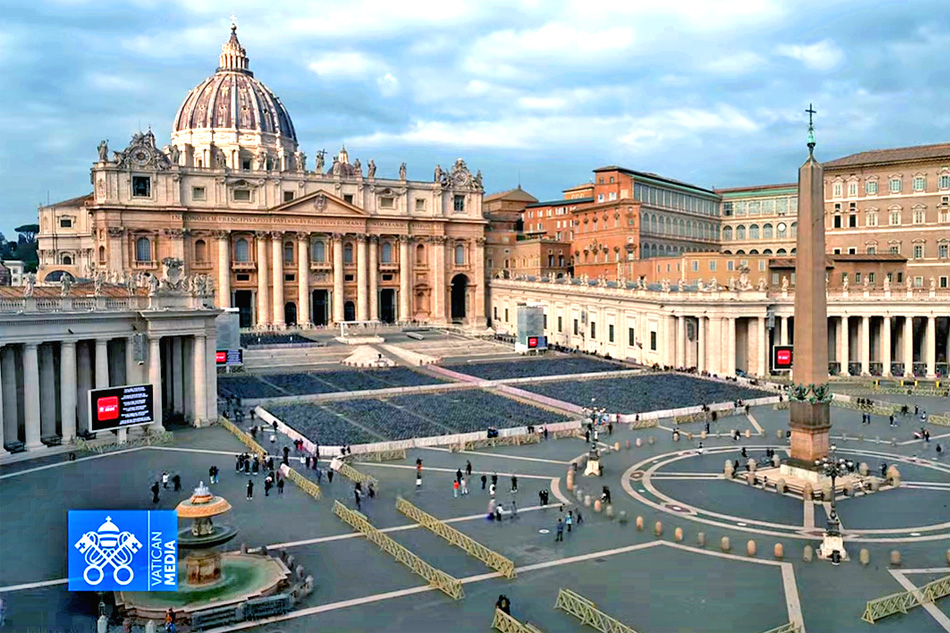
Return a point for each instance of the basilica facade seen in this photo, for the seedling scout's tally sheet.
(232, 197)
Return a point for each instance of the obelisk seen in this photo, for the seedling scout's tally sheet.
(809, 413)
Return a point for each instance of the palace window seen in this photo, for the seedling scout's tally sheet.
(740, 232)
(852, 189)
(242, 195)
(918, 251)
(871, 218)
(836, 221)
(386, 252)
(872, 250)
(201, 251)
(242, 251)
(141, 186)
(65, 223)
(199, 193)
(870, 188)
(942, 250)
(895, 185)
(895, 217)
(853, 220)
(348, 254)
(387, 202)
(727, 209)
(727, 234)
(288, 252)
(838, 190)
(943, 182)
(767, 231)
(782, 232)
(143, 250)
(420, 205)
(895, 249)
(920, 183)
(754, 232)
(458, 204)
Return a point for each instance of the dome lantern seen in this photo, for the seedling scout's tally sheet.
(233, 56)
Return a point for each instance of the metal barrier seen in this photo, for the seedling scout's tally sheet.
(901, 602)
(216, 617)
(507, 624)
(354, 475)
(380, 456)
(510, 440)
(257, 608)
(587, 612)
(151, 438)
(791, 627)
(246, 439)
(310, 487)
(493, 559)
(437, 578)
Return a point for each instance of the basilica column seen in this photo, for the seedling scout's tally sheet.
(47, 390)
(175, 388)
(845, 344)
(83, 383)
(763, 347)
(439, 312)
(31, 396)
(277, 264)
(155, 377)
(102, 363)
(199, 364)
(865, 345)
(10, 411)
(362, 304)
(680, 341)
(908, 346)
(263, 305)
(886, 346)
(224, 269)
(701, 335)
(730, 346)
(303, 280)
(373, 278)
(482, 283)
(67, 389)
(337, 278)
(405, 271)
(931, 343)
(784, 331)
(3, 428)
(188, 376)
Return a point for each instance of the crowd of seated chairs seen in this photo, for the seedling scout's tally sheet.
(266, 338)
(321, 425)
(638, 394)
(542, 366)
(389, 421)
(246, 387)
(304, 383)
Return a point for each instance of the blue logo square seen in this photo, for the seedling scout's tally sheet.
(123, 550)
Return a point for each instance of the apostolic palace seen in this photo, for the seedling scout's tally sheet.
(285, 243)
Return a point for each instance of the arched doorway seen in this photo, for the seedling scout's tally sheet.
(349, 311)
(321, 307)
(290, 313)
(459, 290)
(387, 305)
(244, 302)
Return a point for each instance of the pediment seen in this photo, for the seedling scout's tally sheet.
(320, 203)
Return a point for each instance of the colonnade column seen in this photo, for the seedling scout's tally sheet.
(155, 377)
(784, 330)
(373, 278)
(931, 342)
(3, 428)
(303, 279)
(263, 305)
(199, 363)
(224, 270)
(362, 305)
(31, 396)
(865, 345)
(763, 347)
(277, 263)
(175, 388)
(404, 273)
(886, 346)
(439, 312)
(83, 382)
(908, 346)
(844, 343)
(67, 389)
(102, 373)
(701, 334)
(730, 327)
(47, 390)
(337, 278)
(680, 341)
(10, 412)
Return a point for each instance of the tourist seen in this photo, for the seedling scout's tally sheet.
(176, 482)
(286, 451)
(319, 474)
(498, 509)
(154, 490)
(560, 531)
(419, 466)
(238, 463)
(455, 488)
(356, 495)
(503, 604)
(255, 466)
(569, 520)
(280, 485)
(491, 510)
(170, 620)
(270, 463)
(587, 436)
(514, 484)
(610, 428)
(743, 453)
(329, 475)
(578, 516)
(247, 465)
(883, 469)
(605, 496)
(939, 450)
(514, 510)
(544, 430)
(308, 462)
(701, 449)
(372, 491)
(458, 475)
(165, 480)
(494, 479)
(268, 483)
(484, 480)
(491, 491)
(211, 475)
(541, 497)
(464, 485)
(418, 483)
(250, 489)
(468, 468)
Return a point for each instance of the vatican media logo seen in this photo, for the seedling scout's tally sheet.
(107, 550)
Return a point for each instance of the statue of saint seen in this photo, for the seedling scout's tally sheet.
(402, 171)
(437, 177)
(29, 284)
(358, 167)
(784, 284)
(320, 161)
(65, 284)
(173, 154)
(103, 151)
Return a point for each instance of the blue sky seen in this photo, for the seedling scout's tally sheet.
(706, 91)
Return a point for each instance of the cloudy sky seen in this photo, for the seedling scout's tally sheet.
(707, 91)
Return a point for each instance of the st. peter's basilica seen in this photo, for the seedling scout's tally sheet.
(232, 197)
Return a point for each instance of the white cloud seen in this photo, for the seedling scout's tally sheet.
(346, 64)
(114, 83)
(388, 85)
(542, 103)
(737, 63)
(823, 55)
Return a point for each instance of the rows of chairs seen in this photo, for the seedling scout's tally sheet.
(304, 383)
(543, 366)
(321, 425)
(391, 422)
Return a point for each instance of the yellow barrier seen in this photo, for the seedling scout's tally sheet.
(901, 602)
(587, 612)
(510, 440)
(791, 627)
(507, 624)
(244, 437)
(354, 475)
(380, 456)
(310, 487)
(435, 577)
(490, 557)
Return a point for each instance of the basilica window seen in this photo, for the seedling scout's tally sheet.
(386, 253)
(319, 252)
(242, 252)
(201, 251)
(421, 256)
(348, 198)
(387, 202)
(420, 205)
(143, 250)
(141, 186)
(67, 260)
(102, 254)
(242, 195)
(348, 254)
(288, 196)
(288, 252)
(754, 232)
(458, 204)
(65, 223)
(199, 193)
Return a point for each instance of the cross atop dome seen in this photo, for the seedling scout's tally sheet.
(233, 56)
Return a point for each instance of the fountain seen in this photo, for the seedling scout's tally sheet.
(209, 578)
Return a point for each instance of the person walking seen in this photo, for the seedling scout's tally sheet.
(514, 510)
(255, 466)
(560, 531)
(494, 479)
(514, 484)
(569, 520)
(458, 475)
(280, 486)
(578, 516)
(250, 489)
(154, 490)
(268, 483)
(164, 480)
(455, 488)
(464, 485)
(238, 463)
(468, 468)
(356, 496)
(491, 510)
(211, 474)
(329, 475)
(484, 480)
(176, 482)
(491, 490)
(498, 510)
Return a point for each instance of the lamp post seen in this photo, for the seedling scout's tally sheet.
(832, 545)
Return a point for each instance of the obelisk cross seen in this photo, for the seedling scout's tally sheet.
(811, 127)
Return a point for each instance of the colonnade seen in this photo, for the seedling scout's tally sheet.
(884, 345)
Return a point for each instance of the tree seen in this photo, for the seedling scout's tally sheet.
(28, 232)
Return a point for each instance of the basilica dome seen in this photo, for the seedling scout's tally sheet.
(232, 107)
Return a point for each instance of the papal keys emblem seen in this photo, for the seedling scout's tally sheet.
(108, 547)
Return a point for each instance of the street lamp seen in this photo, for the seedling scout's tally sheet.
(833, 544)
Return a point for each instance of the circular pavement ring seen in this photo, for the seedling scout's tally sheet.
(793, 531)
